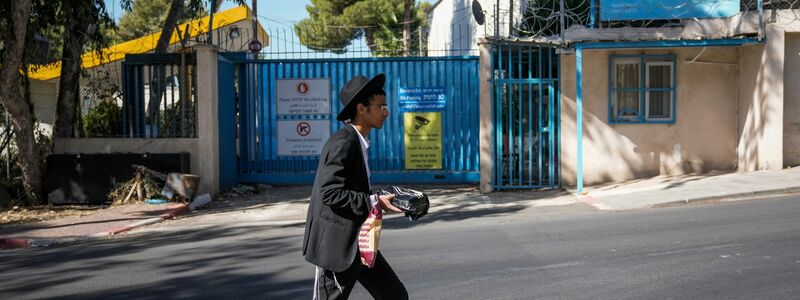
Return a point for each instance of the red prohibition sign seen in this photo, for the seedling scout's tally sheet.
(302, 88)
(303, 128)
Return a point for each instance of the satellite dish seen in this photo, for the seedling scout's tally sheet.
(477, 12)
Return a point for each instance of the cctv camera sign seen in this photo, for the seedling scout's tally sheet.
(303, 96)
(422, 98)
(423, 140)
(302, 137)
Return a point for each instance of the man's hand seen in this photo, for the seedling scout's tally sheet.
(386, 204)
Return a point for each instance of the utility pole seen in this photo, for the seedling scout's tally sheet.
(496, 18)
(255, 20)
(510, 17)
(563, 26)
(210, 22)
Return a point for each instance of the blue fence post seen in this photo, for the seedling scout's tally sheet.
(228, 176)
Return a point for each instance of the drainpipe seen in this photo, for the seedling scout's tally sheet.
(593, 12)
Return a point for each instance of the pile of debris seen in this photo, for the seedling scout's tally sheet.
(145, 185)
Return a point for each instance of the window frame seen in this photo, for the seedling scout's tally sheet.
(643, 89)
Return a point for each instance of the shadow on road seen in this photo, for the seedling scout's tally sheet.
(207, 263)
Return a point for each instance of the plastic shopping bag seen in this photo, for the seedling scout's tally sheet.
(369, 235)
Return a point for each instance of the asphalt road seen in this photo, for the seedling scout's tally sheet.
(740, 250)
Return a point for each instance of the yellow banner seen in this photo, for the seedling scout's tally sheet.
(423, 140)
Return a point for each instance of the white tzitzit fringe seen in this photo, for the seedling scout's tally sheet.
(337, 283)
(317, 273)
(316, 282)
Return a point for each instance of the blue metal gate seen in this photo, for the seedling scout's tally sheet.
(250, 85)
(525, 114)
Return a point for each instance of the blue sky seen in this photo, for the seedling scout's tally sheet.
(277, 16)
(271, 11)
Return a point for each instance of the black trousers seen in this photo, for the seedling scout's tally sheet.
(380, 281)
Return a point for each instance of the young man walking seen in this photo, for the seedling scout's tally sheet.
(341, 200)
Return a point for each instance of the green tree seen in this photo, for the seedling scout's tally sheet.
(82, 23)
(26, 23)
(14, 18)
(149, 16)
(178, 10)
(333, 24)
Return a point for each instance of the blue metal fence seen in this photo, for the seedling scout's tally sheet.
(525, 117)
(258, 158)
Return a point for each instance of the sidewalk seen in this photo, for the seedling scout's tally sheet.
(103, 223)
(672, 190)
(289, 204)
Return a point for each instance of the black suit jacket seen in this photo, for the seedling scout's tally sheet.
(339, 203)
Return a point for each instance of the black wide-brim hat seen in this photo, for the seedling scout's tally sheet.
(357, 88)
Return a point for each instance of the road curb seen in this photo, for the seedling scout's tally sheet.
(18, 243)
(732, 197)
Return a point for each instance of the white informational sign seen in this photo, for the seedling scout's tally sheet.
(303, 96)
(302, 137)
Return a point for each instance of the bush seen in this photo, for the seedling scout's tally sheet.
(103, 120)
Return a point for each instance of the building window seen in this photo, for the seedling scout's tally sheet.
(641, 89)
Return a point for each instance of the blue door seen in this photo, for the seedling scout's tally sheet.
(525, 116)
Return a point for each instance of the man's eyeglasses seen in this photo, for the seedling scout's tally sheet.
(384, 107)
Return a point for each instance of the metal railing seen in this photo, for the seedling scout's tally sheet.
(159, 98)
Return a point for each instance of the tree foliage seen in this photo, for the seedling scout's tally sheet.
(30, 26)
(15, 18)
(148, 16)
(334, 24)
(103, 120)
(82, 29)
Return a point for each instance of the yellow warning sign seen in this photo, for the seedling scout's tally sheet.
(423, 140)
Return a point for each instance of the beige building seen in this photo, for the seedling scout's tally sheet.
(713, 107)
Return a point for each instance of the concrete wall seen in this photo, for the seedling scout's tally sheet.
(486, 126)
(791, 98)
(760, 143)
(702, 138)
(203, 151)
(208, 118)
(104, 146)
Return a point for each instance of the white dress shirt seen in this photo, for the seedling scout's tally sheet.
(365, 153)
